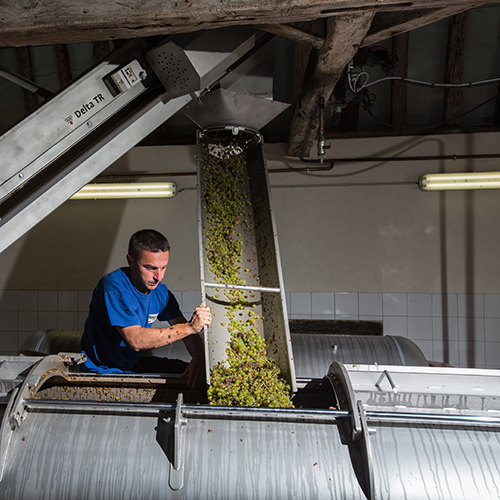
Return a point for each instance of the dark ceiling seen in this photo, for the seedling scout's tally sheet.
(373, 110)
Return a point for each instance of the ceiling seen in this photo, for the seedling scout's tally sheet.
(308, 60)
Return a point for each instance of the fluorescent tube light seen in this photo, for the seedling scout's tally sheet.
(468, 180)
(126, 190)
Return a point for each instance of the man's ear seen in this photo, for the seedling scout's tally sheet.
(130, 260)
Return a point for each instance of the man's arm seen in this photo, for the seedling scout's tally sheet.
(139, 338)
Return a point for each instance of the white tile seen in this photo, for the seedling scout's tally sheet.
(323, 303)
(8, 342)
(47, 300)
(323, 316)
(492, 355)
(299, 316)
(452, 353)
(370, 304)
(84, 298)
(445, 329)
(67, 301)
(350, 317)
(28, 321)
(470, 329)
(492, 330)
(396, 325)
(419, 328)
(394, 304)
(9, 321)
(301, 304)
(445, 304)
(492, 306)
(419, 304)
(81, 318)
(67, 320)
(346, 304)
(446, 352)
(371, 318)
(189, 301)
(47, 320)
(28, 300)
(9, 300)
(472, 354)
(470, 305)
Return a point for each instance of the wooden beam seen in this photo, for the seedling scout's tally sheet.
(311, 33)
(389, 24)
(400, 44)
(455, 56)
(26, 70)
(63, 64)
(38, 22)
(344, 33)
(101, 49)
(300, 69)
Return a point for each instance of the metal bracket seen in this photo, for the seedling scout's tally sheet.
(340, 372)
(367, 451)
(176, 480)
(385, 373)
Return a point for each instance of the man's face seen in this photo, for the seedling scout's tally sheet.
(148, 270)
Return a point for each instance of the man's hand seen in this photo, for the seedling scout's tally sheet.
(201, 317)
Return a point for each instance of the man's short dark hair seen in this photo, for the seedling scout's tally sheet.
(147, 240)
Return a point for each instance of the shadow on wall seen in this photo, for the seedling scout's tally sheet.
(468, 272)
(68, 250)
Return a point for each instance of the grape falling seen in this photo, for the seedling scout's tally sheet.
(248, 377)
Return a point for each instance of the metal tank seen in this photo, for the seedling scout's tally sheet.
(364, 431)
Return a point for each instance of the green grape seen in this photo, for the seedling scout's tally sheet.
(248, 377)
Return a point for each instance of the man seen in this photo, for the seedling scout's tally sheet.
(124, 306)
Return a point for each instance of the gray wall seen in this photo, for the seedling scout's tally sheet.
(348, 234)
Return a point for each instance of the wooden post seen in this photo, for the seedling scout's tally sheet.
(400, 46)
(453, 97)
(26, 70)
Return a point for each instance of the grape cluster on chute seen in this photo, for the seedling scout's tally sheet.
(248, 377)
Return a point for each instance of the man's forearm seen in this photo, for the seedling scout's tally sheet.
(139, 338)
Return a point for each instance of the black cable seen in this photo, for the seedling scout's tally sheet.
(406, 127)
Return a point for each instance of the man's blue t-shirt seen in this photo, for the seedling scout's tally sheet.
(116, 302)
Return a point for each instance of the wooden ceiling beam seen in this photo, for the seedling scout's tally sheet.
(389, 24)
(63, 64)
(26, 71)
(455, 63)
(400, 45)
(344, 34)
(311, 33)
(39, 22)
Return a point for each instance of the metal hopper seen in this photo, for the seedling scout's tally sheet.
(258, 274)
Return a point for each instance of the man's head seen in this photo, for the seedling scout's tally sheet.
(148, 255)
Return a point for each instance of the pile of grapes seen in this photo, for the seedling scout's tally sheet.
(248, 377)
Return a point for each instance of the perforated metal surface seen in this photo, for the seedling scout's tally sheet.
(173, 68)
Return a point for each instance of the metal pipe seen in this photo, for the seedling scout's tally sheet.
(372, 159)
(430, 417)
(198, 411)
(288, 414)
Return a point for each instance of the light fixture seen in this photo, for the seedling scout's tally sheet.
(466, 180)
(116, 191)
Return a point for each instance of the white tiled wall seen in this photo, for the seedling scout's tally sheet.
(463, 330)
(460, 329)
